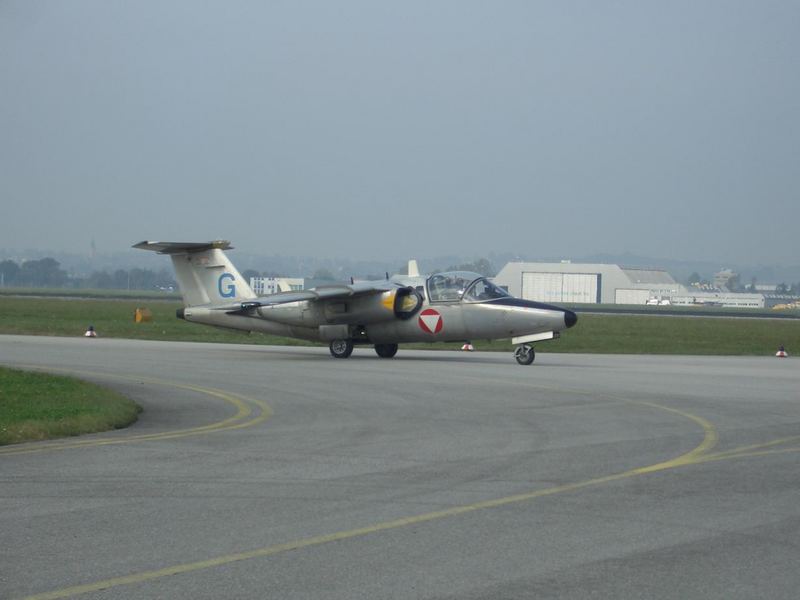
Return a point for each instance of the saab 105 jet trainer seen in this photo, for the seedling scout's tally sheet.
(454, 306)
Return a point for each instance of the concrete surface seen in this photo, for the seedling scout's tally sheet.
(269, 472)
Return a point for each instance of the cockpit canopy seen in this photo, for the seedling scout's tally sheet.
(454, 286)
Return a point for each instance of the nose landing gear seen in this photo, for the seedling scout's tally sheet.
(524, 354)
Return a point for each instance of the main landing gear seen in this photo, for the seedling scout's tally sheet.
(341, 348)
(344, 348)
(524, 354)
(386, 350)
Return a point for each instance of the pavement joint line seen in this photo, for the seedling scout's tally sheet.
(243, 404)
(710, 438)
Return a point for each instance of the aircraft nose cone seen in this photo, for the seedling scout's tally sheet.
(570, 318)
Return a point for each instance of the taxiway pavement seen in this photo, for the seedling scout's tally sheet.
(277, 472)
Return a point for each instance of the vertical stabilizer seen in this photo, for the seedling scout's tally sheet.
(205, 274)
(413, 269)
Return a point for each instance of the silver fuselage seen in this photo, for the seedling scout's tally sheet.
(444, 321)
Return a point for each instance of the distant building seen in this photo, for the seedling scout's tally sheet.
(591, 283)
(767, 287)
(723, 278)
(729, 299)
(264, 286)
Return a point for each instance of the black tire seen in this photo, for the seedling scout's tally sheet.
(525, 355)
(386, 350)
(341, 348)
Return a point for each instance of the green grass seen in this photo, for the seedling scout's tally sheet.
(709, 311)
(611, 334)
(111, 318)
(617, 334)
(35, 406)
(597, 333)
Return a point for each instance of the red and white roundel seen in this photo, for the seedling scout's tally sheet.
(430, 321)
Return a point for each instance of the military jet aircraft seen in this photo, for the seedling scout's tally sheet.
(446, 307)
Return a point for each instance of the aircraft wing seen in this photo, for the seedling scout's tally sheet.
(325, 292)
(354, 289)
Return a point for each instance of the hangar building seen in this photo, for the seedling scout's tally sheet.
(586, 283)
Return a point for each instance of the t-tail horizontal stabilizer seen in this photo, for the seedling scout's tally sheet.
(205, 274)
(183, 247)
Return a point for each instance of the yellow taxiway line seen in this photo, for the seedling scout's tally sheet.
(698, 455)
(242, 418)
(694, 456)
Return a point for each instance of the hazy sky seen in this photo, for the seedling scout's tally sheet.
(377, 129)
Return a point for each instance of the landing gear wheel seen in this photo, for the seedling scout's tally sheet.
(524, 354)
(341, 348)
(386, 350)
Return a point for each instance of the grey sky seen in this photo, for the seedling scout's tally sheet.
(372, 129)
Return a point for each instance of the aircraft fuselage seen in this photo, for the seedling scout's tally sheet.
(455, 306)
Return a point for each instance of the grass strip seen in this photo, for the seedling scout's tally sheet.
(37, 406)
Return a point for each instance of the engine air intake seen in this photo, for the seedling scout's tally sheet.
(407, 303)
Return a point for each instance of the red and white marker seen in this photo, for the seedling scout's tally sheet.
(430, 321)
(468, 347)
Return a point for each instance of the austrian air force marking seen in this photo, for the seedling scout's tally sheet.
(430, 321)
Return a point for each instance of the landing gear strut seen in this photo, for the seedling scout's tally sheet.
(386, 350)
(341, 348)
(524, 354)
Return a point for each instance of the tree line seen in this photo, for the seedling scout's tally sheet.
(47, 272)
